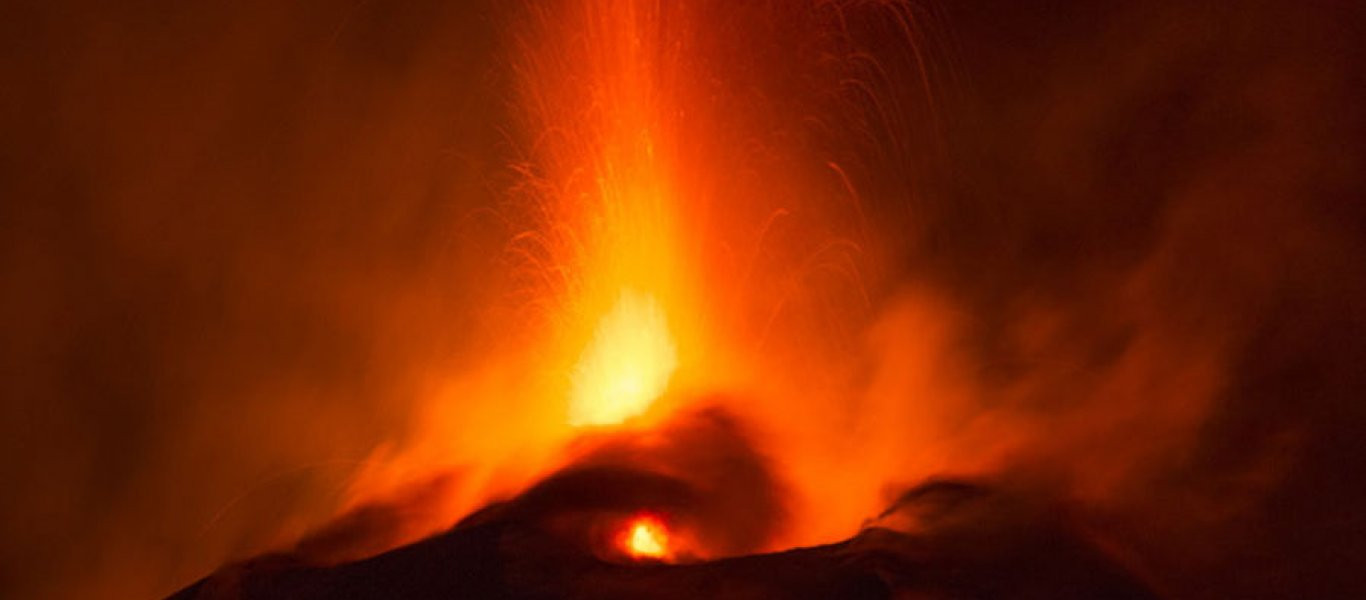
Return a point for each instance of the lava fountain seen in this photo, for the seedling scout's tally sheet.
(692, 239)
(695, 271)
(626, 366)
(659, 298)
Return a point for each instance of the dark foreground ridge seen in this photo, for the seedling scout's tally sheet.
(940, 540)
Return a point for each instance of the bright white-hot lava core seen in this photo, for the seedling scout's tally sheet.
(626, 365)
(646, 538)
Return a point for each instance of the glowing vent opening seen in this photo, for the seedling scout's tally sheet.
(646, 538)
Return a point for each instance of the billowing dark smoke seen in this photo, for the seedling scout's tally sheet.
(1119, 271)
(734, 503)
(700, 471)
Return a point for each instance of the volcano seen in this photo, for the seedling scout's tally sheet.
(682, 298)
(941, 539)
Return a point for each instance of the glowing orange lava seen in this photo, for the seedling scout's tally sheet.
(678, 234)
(646, 538)
(626, 365)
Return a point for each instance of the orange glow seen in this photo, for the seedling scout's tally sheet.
(626, 366)
(646, 538)
(677, 237)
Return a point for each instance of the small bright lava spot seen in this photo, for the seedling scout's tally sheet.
(646, 538)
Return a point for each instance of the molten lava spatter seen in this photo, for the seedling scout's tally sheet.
(646, 538)
(626, 365)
